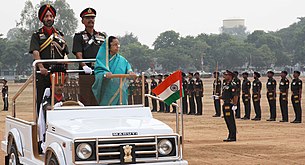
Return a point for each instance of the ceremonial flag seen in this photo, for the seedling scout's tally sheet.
(170, 89)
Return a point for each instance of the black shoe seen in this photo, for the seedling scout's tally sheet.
(245, 118)
(256, 119)
(198, 114)
(270, 120)
(237, 117)
(153, 110)
(229, 140)
(296, 121)
(283, 120)
(216, 116)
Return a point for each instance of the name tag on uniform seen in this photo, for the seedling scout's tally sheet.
(269, 83)
(293, 83)
(282, 83)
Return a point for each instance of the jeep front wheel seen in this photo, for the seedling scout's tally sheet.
(13, 156)
(53, 160)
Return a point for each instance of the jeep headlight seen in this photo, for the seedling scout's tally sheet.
(84, 151)
(165, 147)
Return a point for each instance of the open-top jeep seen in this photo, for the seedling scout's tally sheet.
(122, 134)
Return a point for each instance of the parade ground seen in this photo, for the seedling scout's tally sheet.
(258, 142)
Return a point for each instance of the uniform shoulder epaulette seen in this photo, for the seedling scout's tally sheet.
(102, 34)
(81, 32)
(59, 32)
(38, 31)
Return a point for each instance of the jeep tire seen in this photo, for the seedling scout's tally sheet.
(53, 160)
(13, 157)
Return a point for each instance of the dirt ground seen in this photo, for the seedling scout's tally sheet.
(258, 142)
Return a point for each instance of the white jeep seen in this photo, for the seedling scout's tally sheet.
(123, 134)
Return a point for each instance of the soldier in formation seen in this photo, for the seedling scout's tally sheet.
(216, 92)
(256, 96)
(296, 89)
(283, 87)
(246, 96)
(271, 95)
(191, 94)
(5, 95)
(153, 85)
(237, 82)
(198, 88)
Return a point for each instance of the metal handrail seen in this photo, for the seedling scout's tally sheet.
(20, 90)
(54, 61)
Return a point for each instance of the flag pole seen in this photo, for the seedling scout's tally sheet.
(181, 115)
(143, 90)
(182, 128)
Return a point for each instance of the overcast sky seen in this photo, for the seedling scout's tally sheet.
(148, 18)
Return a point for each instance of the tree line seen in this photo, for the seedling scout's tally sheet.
(171, 51)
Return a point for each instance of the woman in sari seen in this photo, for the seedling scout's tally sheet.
(105, 89)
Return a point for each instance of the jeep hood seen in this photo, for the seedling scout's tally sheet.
(104, 123)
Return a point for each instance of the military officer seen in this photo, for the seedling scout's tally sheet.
(237, 81)
(85, 46)
(146, 91)
(271, 95)
(153, 85)
(198, 88)
(284, 86)
(184, 98)
(138, 91)
(161, 104)
(216, 92)
(5, 95)
(46, 43)
(246, 96)
(167, 107)
(256, 96)
(131, 89)
(229, 97)
(296, 89)
(191, 94)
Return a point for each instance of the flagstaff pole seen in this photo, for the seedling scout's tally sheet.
(182, 128)
(121, 88)
(143, 90)
(53, 91)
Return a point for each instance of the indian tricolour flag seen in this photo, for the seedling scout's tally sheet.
(170, 89)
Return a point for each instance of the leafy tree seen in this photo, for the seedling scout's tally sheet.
(260, 38)
(166, 40)
(137, 55)
(128, 38)
(172, 59)
(2, 48)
